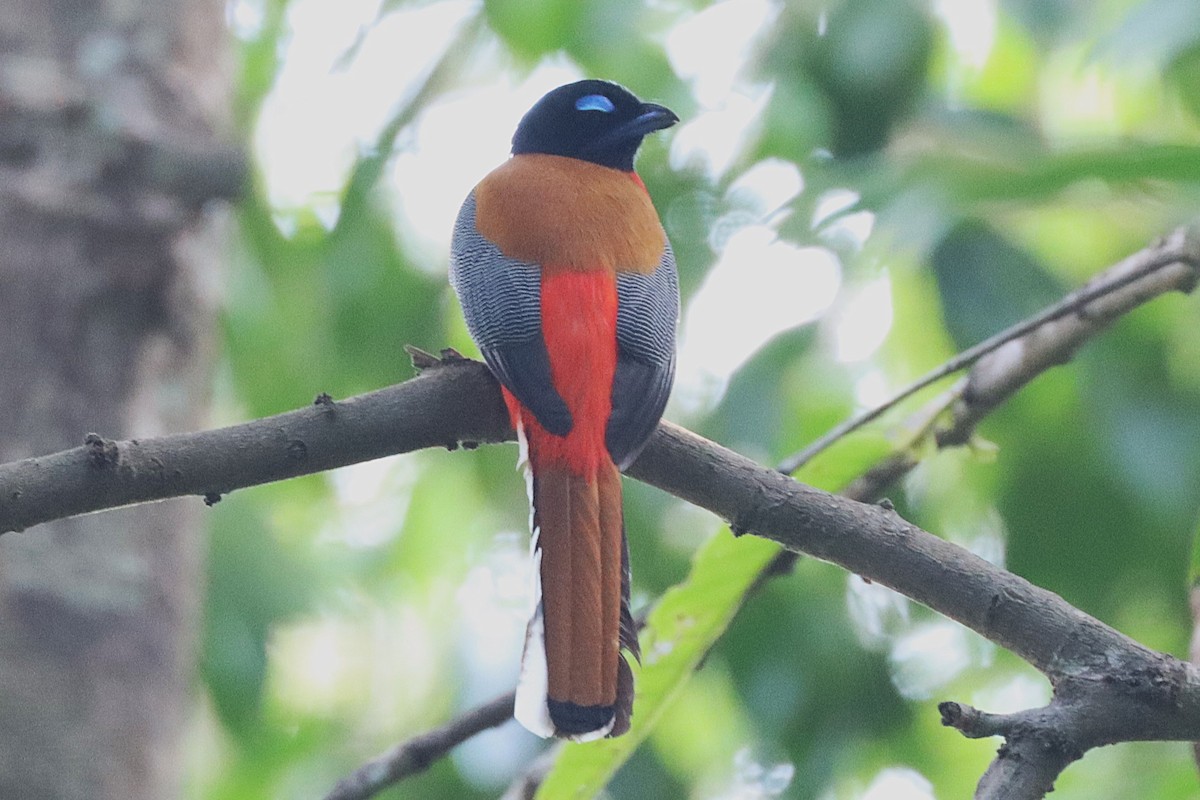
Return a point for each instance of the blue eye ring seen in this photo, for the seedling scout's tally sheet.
(595, 102)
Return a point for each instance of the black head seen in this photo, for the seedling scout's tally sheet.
(592, 120)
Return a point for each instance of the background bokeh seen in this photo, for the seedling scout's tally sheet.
(857, 191)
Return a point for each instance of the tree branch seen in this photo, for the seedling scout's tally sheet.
(418, 753)
(1023, 770)
(1108, 688)
(1049, 337)
(1170, 264)
(452, 403)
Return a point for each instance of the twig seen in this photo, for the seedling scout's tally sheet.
(1171, 264)
(1034, 753)
(525, 786)
(418, 753)
(1178, 250)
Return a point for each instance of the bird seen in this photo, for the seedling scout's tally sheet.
(569, 289)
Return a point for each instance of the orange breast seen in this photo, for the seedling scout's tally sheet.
(571, 214)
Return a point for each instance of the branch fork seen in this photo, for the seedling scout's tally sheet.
(1108, 688)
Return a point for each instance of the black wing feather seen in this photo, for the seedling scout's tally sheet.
(640, 394)
(524, 369)
(647, 315)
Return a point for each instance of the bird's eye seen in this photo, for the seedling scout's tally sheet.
(594, 102)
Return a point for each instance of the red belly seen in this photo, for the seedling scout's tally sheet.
(579, 322)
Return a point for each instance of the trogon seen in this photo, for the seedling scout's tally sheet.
(568, 286)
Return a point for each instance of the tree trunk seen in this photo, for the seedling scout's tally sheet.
(108, 154)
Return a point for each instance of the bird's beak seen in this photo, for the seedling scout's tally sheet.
(653, 118)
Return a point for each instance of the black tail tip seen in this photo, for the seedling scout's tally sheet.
(571, 719)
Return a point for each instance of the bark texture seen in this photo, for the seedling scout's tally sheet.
(108, 154)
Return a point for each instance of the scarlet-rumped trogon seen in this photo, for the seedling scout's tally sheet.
(569, 289)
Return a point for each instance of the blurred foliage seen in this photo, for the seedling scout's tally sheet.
(968, 161)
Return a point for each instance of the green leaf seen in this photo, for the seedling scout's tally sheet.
(260, 63)
(1183, 74)
(871, 63)
(679, 632)
(987, 283)
(1019, 175)
(848, 458)
(532, 28)
(254, 583)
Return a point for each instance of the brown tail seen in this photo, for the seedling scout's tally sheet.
(582, 619)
